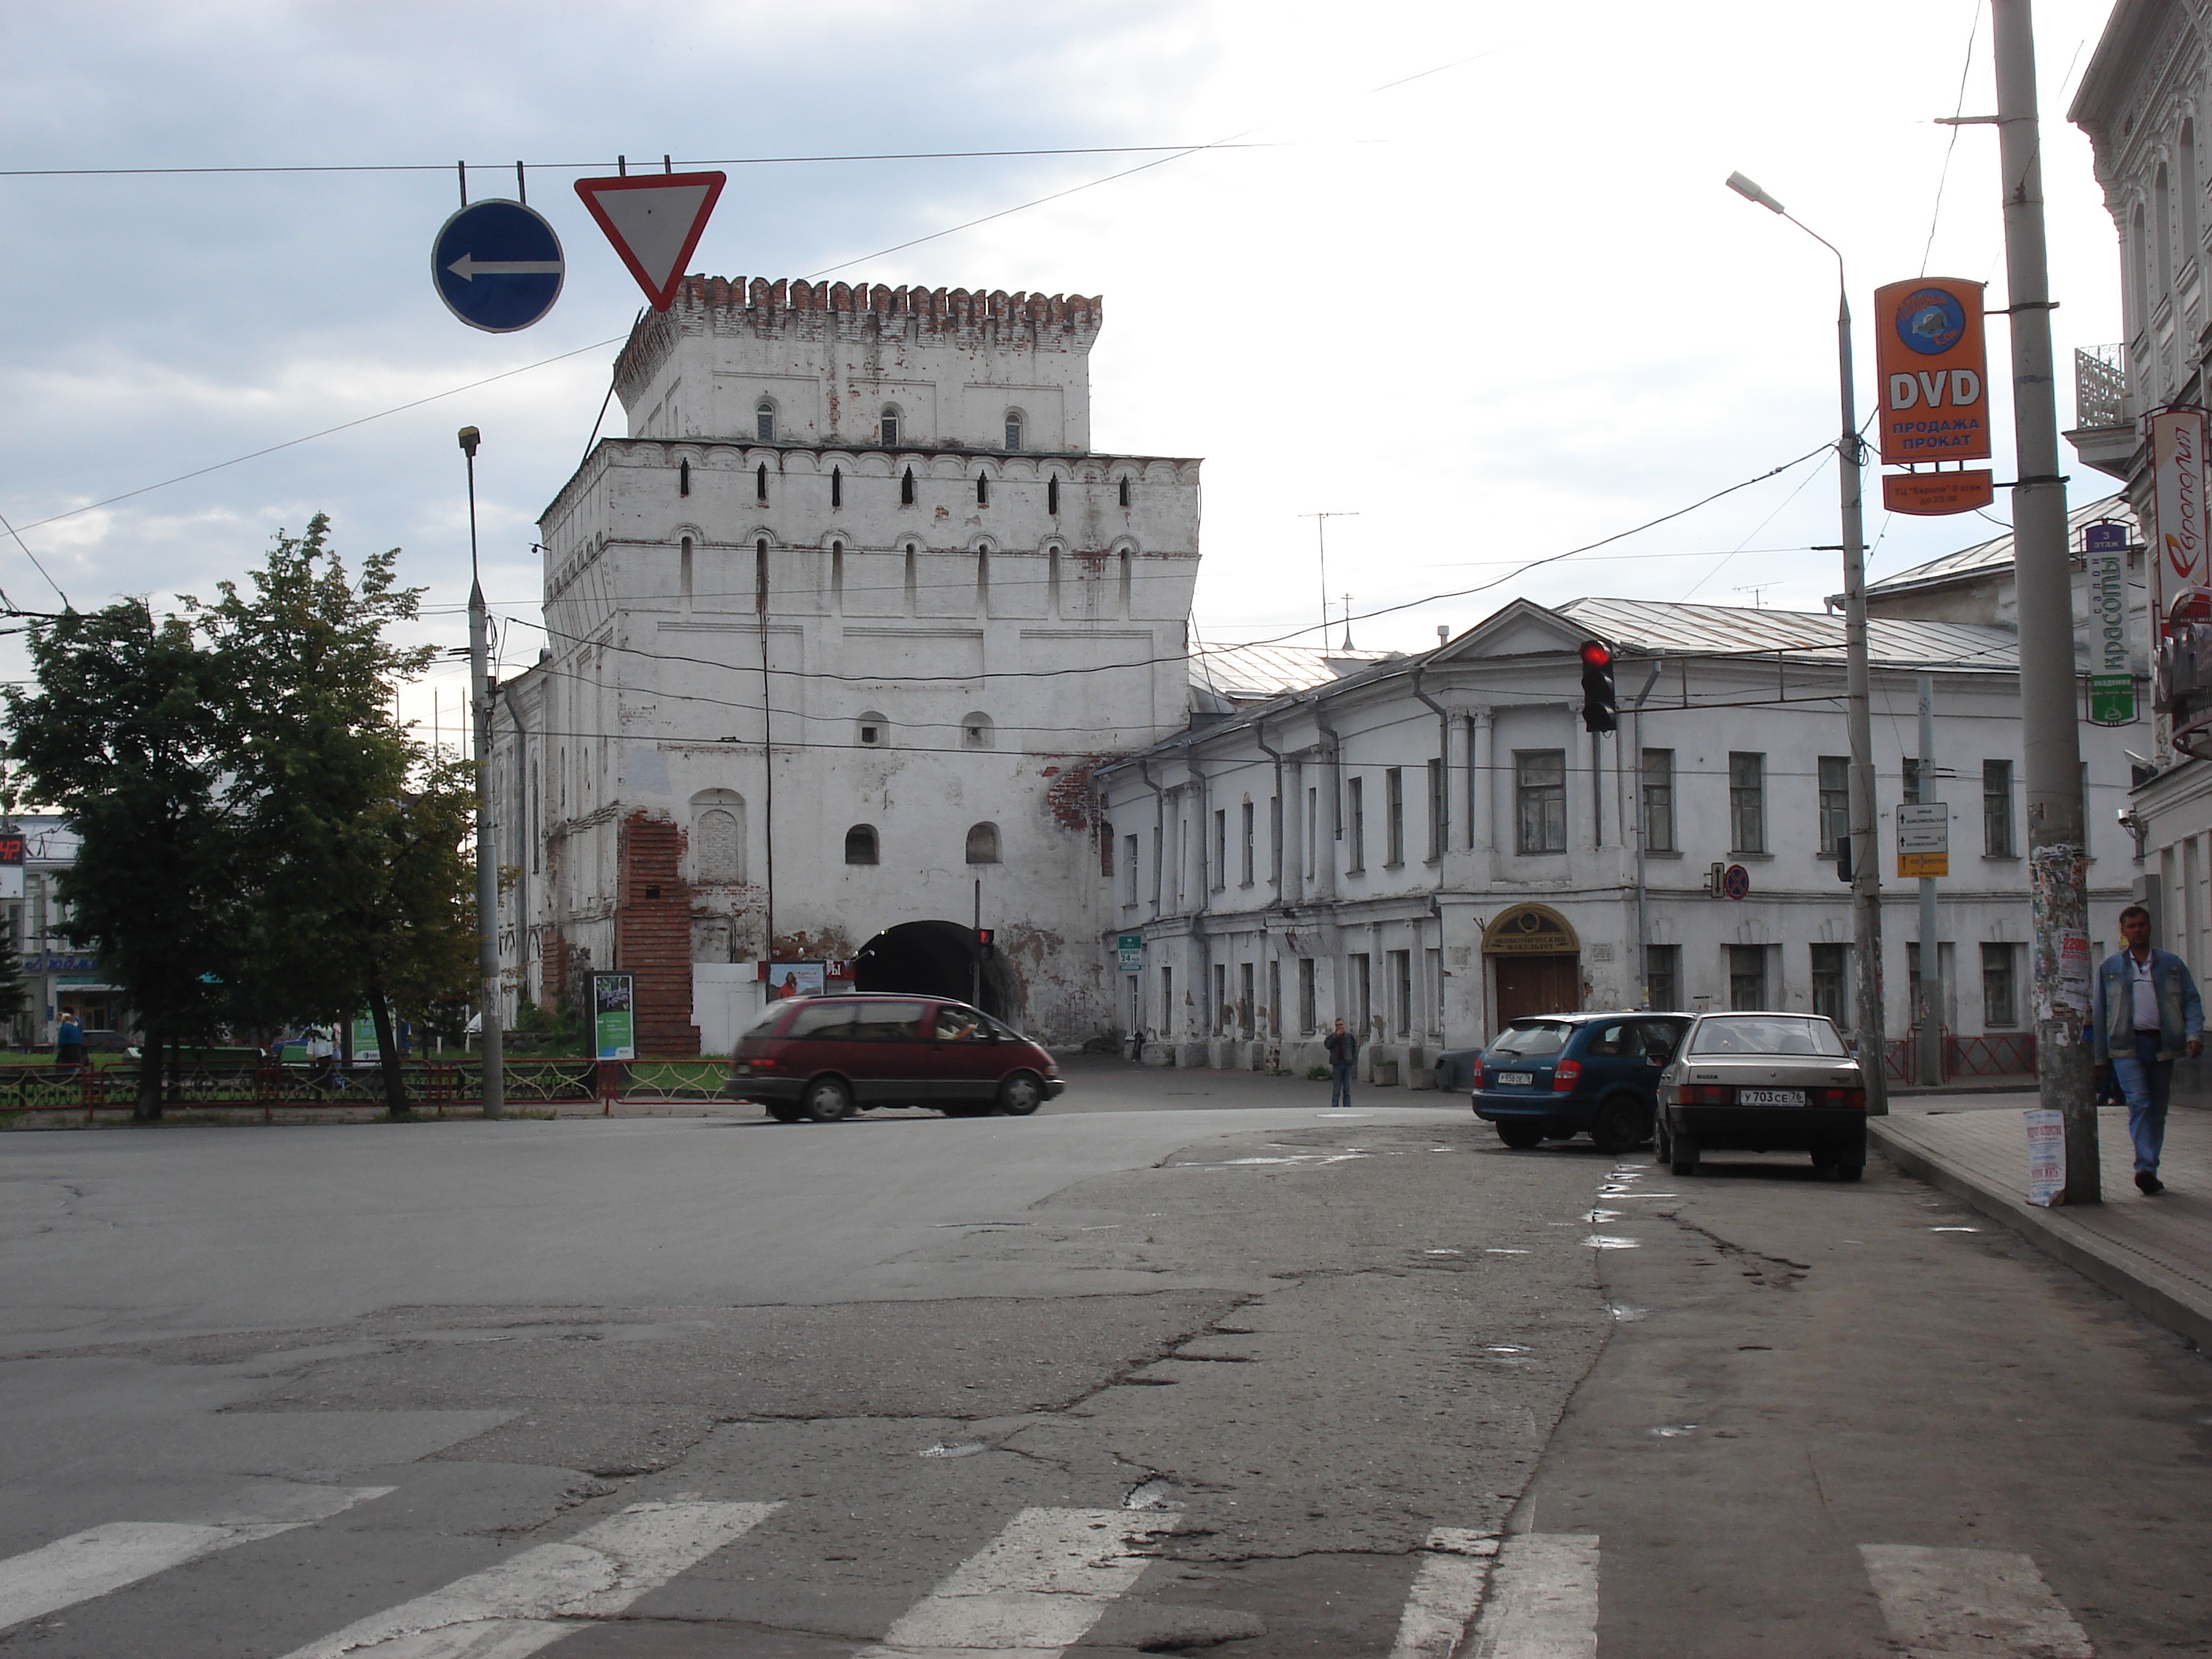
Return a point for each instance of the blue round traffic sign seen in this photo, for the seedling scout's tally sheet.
(497, 265)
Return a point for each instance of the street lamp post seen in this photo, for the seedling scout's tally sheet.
(495, 1077)
(1866, 874)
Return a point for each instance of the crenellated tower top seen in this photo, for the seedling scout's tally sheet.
(796, 362)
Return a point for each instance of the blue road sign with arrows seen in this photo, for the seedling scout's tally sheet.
(497, 265)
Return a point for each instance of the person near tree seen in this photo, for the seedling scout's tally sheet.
(69, 1043)
(2146, 1013)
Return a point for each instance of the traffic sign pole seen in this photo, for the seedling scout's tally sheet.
(1931, 951)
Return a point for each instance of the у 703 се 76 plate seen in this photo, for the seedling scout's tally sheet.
(1769, 1097)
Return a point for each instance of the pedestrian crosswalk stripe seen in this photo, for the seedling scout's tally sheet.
(1542, 1600)
(1446, 1593)
(102, 1558)
(1951, 1604)
(534, 1598)
(1037, 1587)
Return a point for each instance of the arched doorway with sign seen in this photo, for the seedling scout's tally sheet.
(1535, 962)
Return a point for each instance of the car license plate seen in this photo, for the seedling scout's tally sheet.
(1769, 1097)
(1517, 1079)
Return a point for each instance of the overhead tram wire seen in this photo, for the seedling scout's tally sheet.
(1174, 152)
(587, 166)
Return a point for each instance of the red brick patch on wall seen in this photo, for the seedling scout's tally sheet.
(652, 933)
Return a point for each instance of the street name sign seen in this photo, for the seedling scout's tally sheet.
(1924, 839)
(2111, 662)
(654, 221)
(497, 265)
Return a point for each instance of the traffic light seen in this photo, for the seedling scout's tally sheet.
(984, 936)
(1600, 709)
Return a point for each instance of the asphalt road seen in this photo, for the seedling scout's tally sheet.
(1185, 1363)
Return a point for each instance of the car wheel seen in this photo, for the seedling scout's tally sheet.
(1022, 1093)
(1682, 1153)
(1825, 1160)
(783, 1114)
(1659, 1152)
(1619, 1126)
(1521, 1136)
(827, 1100)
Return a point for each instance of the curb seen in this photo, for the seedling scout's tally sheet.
(2157, 1295)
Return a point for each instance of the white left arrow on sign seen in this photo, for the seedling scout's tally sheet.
(468, 268)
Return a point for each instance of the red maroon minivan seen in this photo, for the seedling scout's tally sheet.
(823, 1057)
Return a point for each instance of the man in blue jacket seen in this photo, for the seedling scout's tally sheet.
(2145, 1013)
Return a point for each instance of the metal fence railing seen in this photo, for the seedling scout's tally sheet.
(1994, 1053)
(431, 1085)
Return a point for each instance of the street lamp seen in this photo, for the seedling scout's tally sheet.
(1866, 875)
(495, 1077)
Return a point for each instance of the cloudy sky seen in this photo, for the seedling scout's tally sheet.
(1470, 273)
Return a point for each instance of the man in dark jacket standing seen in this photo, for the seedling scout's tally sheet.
(1343, 1054)
(2145, 1014)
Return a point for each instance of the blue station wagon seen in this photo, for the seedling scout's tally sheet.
(1560, 1075)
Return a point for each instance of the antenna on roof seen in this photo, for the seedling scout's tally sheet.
(1321, 541)
(1347, 622)
(1755, 592)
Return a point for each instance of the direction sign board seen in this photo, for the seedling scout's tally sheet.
(1130, 948)
(497, 265)
(654, 221)
(1924, 839)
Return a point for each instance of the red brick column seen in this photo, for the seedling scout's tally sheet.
(652, 934)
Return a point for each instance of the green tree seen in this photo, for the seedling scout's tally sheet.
(353, 835)
(125, 733)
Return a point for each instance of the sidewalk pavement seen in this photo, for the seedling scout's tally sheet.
(2155, 1254)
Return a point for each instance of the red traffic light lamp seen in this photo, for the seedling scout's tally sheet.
(1601, 708)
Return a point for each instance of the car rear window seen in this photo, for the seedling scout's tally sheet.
(888, 1022)
(825, 1021)
(1538, 1038)
(766, 1023)
(1767, 1034)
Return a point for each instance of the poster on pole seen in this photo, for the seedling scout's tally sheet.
(2046, 1157)
(1933, 360)
(614, 1015)
(2181, 574)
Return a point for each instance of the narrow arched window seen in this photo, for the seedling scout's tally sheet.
(759, 483)
(718, 839)
(1125, 492)
(983, 844)
(760, 575)
(905, 488)
(872, 730)
(764, 421)
(975, 732)
(982, 489)
(683, 477)
(860, 844)
(1052, 495)
(890, 426)
(1013, 429)
(836, 487)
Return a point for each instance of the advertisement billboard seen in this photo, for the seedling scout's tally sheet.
(614, 1016)
(1933, 360)
(2181, 580)
(2112, 657)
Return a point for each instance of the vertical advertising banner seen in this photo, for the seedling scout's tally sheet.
(11, 864)
(2112, 663)
(614, 1015)
(2181, 581)
(1930, 352)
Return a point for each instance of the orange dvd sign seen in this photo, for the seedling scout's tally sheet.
(1930, 350)
(1930, 495)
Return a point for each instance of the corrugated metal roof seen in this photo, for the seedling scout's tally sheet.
(1246, 672)
(1810, 636)
(1997, 550)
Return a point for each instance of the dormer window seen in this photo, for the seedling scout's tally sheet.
(1013, 429)
(890, 426)
(764, 421)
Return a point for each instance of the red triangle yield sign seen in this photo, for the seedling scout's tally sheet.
(654, 219)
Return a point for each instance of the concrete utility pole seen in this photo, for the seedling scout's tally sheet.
(1866, 850)
(1931, 951)
(2050, 735)
(494, 1074)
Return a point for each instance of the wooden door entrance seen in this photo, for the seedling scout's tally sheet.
(1536, 985)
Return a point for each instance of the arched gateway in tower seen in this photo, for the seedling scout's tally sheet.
(814, 675)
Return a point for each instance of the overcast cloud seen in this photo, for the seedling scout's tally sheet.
(1496, 312)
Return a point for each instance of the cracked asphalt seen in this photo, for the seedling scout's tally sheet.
(1296, 1341)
